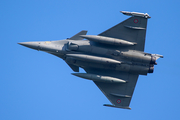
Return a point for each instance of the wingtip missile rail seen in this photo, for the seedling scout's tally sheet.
(123, 107)
(145, 15)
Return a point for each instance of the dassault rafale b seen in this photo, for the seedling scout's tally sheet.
(113, 60)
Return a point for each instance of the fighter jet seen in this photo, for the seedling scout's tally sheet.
(113, 59)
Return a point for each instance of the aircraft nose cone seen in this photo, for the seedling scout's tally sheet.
(32, 45)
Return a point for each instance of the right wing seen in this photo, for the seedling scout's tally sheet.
(119, 94)
(132, 29)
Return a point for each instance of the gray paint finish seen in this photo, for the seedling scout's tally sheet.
(113, 60)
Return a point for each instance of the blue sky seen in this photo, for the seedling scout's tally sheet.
(36, 85)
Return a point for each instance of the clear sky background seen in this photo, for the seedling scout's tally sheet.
(39, 86)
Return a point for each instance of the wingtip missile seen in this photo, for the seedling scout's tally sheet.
(145, 15)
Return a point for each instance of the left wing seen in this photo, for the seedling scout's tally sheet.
(132, 29)
(119, 94)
